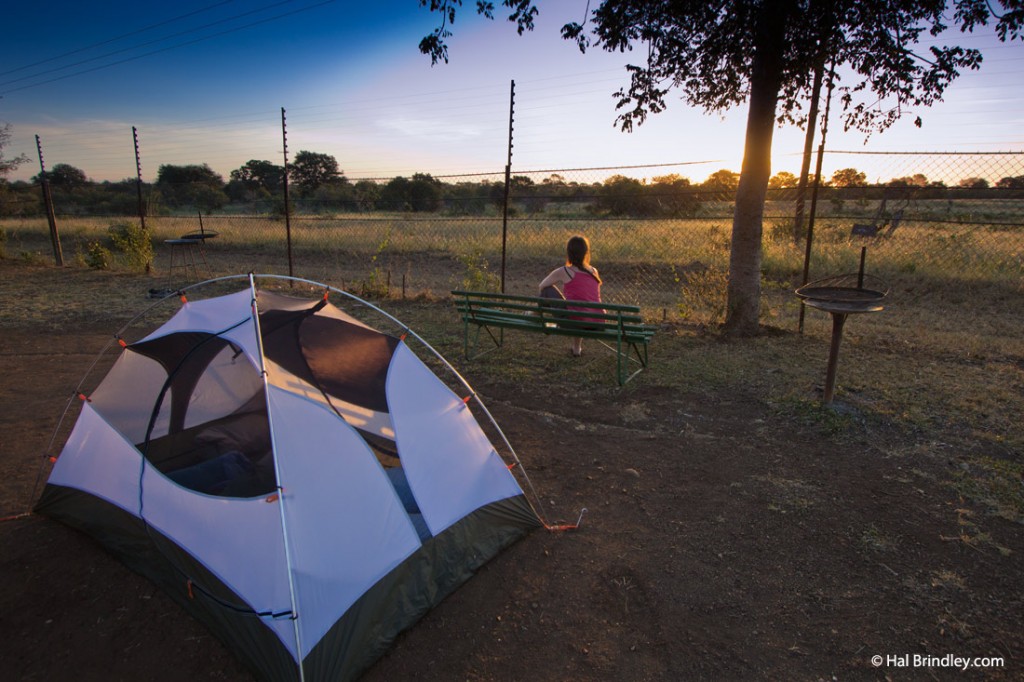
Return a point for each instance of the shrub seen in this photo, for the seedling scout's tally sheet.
(134, 243)
(32, 258)
(377, 283)
(97, 256)
(703, 295)
(476, 276)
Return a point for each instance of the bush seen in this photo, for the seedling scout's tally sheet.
(703, 295)
(477, 277)
(97, 256)
(134, 243)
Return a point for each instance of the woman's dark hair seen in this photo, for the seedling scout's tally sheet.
(577, 254)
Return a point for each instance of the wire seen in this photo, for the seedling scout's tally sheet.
(169, 47)
(145, 44)
(115, 39)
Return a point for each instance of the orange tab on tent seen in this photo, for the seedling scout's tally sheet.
(84, 398)
(272, 498)
(188, 583)
(121, 342)
(181, 295)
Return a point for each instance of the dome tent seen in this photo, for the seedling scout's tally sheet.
(301, 483)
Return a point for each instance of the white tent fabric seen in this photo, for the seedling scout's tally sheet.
(334, 526)
(370, 531)
(451, 466)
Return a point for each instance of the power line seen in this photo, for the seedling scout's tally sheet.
(145, 44)
(173, 47)
(115, 39)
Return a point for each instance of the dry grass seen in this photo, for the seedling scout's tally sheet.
(945, 359)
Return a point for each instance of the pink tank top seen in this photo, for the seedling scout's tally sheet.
(583, 287)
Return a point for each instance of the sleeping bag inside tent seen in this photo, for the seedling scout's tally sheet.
(303, 484)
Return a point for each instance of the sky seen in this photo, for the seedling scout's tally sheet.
(209, 81)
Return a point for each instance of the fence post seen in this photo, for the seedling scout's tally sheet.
(814, 191)
(51, 217)
(138, 177)
(287, 203)
(508, 183)
(805, 166)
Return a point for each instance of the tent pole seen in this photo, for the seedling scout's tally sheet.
(280, 491)
(538, 508)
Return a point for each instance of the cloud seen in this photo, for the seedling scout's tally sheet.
(430, 129)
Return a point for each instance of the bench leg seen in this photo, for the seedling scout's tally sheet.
(498, 341)
(624, 358)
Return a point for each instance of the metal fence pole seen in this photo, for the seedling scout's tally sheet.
(508, 184)
(51, 217)
(805, 165)
(287, 203)
(814, 192)
(138, 177)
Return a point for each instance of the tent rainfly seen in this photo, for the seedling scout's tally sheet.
(298, 481)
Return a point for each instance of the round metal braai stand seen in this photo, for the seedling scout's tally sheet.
(835, 296)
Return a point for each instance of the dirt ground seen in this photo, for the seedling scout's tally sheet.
(721, 541)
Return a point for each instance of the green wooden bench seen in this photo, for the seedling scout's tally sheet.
(618, 327)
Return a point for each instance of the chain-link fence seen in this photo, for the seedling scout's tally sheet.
(934, 225)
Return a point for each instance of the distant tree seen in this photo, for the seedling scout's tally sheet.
(8, 165)
(65, 175)
(335, 196)
(191, 185)
(672, 179)
(765, 53)
(783, 180)
(621, 195)
(367, 194)
(1011, 182)
(849, 177)
(722, 180)
(533, 197)
(178, 175)
(424, 193)
(916, 180)
(973, 183)
(467, 198)
(311, 169)
(394, 196)
(675, 195)
(420, 193)
(260, 175)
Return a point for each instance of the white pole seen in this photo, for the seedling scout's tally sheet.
(280, 488)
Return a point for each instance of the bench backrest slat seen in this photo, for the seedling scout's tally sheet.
(585, 317)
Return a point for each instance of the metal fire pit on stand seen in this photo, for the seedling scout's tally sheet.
(841, 296)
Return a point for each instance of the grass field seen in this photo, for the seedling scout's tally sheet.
(956, 289)
(949, 263)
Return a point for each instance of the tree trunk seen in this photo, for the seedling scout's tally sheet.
(744, 292)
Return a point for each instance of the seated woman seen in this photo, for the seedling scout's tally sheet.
(580, 281)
